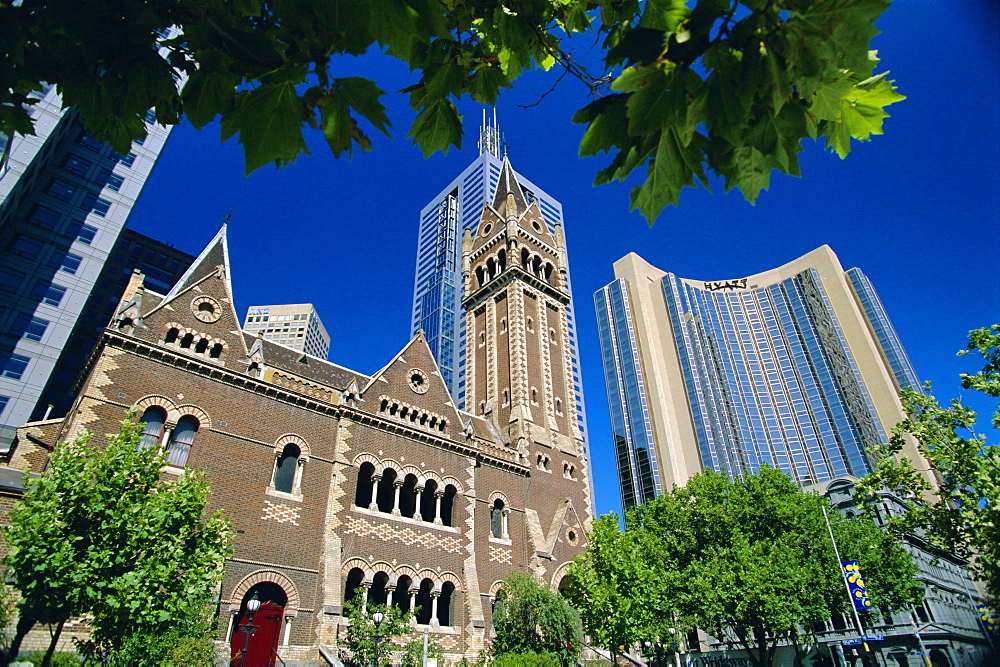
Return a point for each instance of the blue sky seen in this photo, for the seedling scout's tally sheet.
(918, 209)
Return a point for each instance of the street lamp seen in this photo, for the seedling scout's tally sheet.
(677, 647)
(248, 628)
(377, 619)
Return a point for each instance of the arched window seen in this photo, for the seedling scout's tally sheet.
(154, 417)
(386, 497)
(171, 336)
(181, 441)
(202, 346)
(353, 586)
(363, 494)
(428, 504)
(285, 469)
(448, 504)
(377, 593)
(187, 340)
(401, 596)
(216, 351)
(424, 602)
(496, 518)
(408, 496)
(479, 276)
(444, 603)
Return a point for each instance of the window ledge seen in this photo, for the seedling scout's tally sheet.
(168, 469)
(404, 519)
(297, 497)
(500, 540)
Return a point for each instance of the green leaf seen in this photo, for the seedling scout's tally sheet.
(436, 128)
(269, 122)
(206, 94)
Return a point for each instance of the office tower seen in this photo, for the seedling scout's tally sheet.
(296, 326)
(162, 266)
(437, 289)
(64, 199)
(798, 368)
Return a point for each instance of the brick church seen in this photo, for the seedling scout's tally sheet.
(340, 484)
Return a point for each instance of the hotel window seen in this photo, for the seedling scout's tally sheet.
(10, 280)
(60, 189)
(66, 262)
(29, 327)
(77, 165)
(126, 160)
(13, 365)
(115, 182)
(26, 247)
(86, 234)
(44, 217)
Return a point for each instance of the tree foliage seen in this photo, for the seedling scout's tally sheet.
(100, 533)
(729, 87)
(749, 559)
(359, 638)
(531, 619)
(961, 513)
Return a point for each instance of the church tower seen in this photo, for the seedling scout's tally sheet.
(519, 373)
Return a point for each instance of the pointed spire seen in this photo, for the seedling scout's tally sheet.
(213, 258)
(507, 185)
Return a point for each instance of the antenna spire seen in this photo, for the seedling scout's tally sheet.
(489, 135)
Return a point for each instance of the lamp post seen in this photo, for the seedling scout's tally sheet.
(377, 619)
(248, 628)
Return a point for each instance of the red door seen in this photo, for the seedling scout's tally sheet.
(263, 644)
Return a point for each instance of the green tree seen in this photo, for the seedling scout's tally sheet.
(531, 619)
(961, 513)
(101, 533)
(359, 638)
(727, 87)
(749, 559)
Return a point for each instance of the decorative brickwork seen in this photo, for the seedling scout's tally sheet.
(401, 535)
(280, 512)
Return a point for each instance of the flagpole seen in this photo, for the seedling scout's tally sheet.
(847, 586)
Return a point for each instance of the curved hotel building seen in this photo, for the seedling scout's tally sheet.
(797, 368)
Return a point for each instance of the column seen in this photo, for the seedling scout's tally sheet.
(288, 631)
(367, 585)
(504, 513)
(413, 604)
(376, 478)
(232, 622)
(396, 486)
(300, 465)
(168, 430)
(419, 500)
(434, 608)
(438, 495)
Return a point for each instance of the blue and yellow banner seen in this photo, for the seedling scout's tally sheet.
(988, 617)
(859, 594)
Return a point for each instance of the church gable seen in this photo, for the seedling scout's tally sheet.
(198, 315)
(410, 390)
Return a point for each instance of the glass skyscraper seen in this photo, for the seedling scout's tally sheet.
(437, 289)
(64, 200)
(797, 368)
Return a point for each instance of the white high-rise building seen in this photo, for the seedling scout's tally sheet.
(437, 291)
(64, 200)
(296, 326)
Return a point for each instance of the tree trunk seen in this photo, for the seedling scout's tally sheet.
(47, 660)
(24, 623)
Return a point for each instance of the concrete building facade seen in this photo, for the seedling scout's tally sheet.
(296, 326)
(798, 368)
(64, 200)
